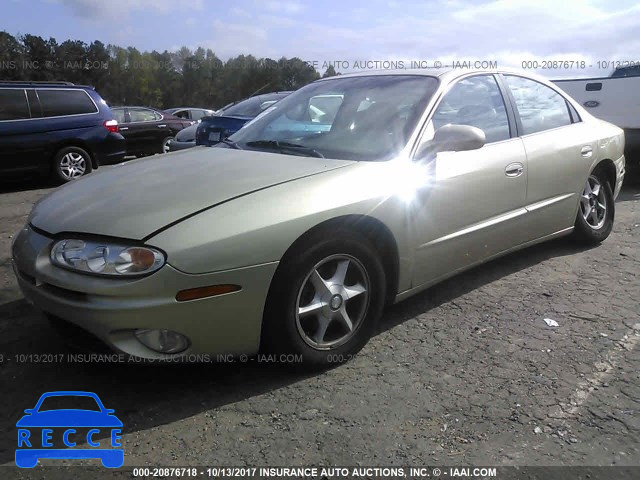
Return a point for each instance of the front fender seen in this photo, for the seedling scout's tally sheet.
(260, 227)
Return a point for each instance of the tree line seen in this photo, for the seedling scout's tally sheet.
(127, 76)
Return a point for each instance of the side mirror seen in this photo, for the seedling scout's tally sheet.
(29, 411)
(453, 138)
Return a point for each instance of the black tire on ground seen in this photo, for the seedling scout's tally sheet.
(164, 146)
(282, 333)
(70, 163)
(597, 226)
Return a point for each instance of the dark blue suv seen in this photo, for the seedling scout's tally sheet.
(56, 128)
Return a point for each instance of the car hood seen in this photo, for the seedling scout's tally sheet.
(135, 199)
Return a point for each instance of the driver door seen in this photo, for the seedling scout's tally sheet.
(475, 206)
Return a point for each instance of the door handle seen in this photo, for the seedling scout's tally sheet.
(514, 169)
(586, 151)
(161, 126)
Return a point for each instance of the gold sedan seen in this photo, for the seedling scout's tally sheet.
(291, 236)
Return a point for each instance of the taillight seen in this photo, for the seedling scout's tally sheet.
(111, 125)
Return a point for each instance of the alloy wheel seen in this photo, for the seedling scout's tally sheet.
(593, 203)
(332, 302)
(73, 165)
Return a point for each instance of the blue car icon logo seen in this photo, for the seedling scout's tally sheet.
(51, 421)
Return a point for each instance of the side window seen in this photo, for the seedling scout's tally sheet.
(540, 108)
(182, 114)
(142, 115)
(13, 104)
(118, 115)
(57, 103)
(475, 101)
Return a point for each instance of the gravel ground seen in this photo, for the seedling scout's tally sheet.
(464, 373)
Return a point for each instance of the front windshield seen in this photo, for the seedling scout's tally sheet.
(353, 118)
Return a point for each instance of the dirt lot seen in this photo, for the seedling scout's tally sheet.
(465, 373)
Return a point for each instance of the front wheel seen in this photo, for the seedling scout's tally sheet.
(325, 300)
(596, 211)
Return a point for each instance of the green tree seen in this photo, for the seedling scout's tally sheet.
(330, 72)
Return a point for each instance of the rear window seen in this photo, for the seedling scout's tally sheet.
(13, 104)
(57, 103)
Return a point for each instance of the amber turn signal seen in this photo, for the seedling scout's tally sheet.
(204, 292)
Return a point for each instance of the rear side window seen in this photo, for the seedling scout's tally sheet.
(13, 104)
(540, 107)
(143, 115)
(58, 103)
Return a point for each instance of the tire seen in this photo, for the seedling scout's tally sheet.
(164, 145)
(358, 300)
(71, 163)
(596, 211)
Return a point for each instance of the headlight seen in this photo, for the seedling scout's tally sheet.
(104, 258)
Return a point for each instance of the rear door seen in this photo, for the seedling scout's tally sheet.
(474, 207)
(560, 150)
(146, 130)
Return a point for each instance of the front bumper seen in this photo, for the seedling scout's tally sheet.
(112, 309)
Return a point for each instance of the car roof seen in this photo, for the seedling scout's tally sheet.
(445, 74)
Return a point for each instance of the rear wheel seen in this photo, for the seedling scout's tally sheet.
(325, 300)
(71, 163)
(596, 211)
(164, 146)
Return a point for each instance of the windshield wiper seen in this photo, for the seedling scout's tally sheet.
(231, 143)
(286, 146)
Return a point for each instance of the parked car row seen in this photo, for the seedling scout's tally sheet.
(66, 130)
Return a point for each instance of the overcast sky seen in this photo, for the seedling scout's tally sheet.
(508, 31)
